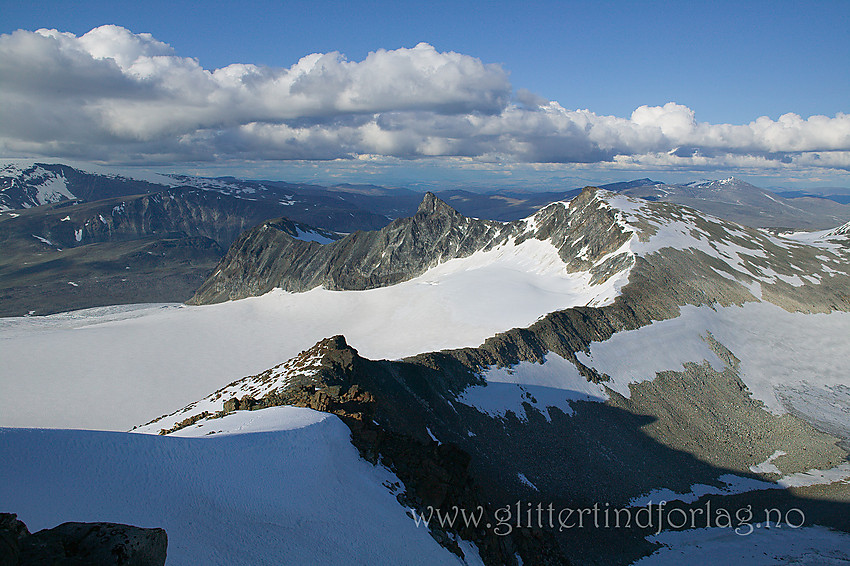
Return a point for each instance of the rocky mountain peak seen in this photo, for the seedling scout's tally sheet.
(334, 343)
(431, 204)
(728, 183)
(262, 260)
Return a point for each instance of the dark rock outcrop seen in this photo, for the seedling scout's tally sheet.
(80, 544)
(12, 532)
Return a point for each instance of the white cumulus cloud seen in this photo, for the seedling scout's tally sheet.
(114, 95)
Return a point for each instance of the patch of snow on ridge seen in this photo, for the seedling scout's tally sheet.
(528, 385)
(733, 485)
(830, 239)
(259, 492)
(170, 357)
(840, 473)
(53, 189)
(209, 183)
(657, 228)
(768, 467)
(247, 422)
(44, 240)
(775, 348)
(471, 556)
(681, 233)
(312, 237)
(737, 484)
(532, 223)
(525, 481)
(637, 355)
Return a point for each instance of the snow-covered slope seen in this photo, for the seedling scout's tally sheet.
(25, 187)
(751, 257)
(120, 366)
(528, 387)
(788, 361)
(776, 349)
(835, 239)
(278, 486)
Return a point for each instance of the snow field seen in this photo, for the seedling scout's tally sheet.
(279, 486)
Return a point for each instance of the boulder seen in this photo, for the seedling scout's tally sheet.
(79, 544)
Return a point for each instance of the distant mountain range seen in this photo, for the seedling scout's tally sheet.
(342, 208)
(348, 207)
(739, 201)
(73, 239)
(840, 197)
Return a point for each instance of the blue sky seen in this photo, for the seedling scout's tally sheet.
(721, 63)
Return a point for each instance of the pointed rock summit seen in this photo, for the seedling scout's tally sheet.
(431, 204)
(264, 259)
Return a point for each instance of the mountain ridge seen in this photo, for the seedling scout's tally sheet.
(348, 207)
(153, 247)
(744, 203)
(262, 260)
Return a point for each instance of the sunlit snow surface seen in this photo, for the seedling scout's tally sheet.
(279, 486)
(116, 367)
(49, 186)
